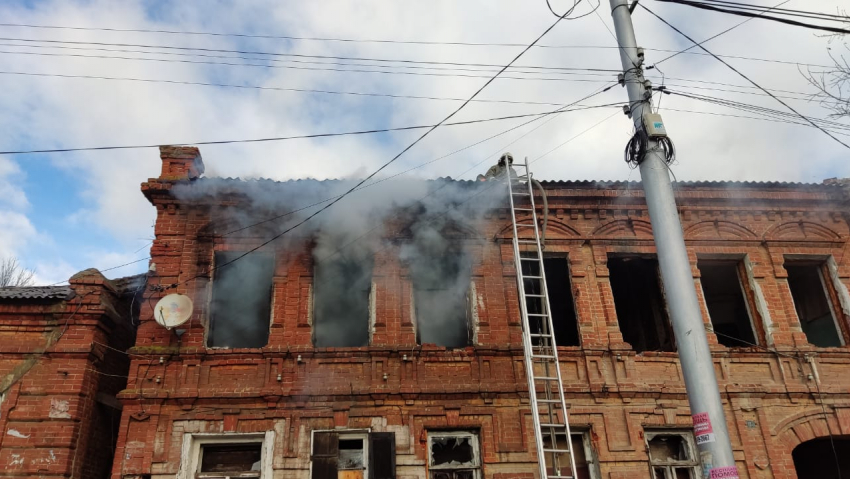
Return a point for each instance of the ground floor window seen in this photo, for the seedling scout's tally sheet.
(227, 456)
(672, 455)
(453, 455)
(352, 455)
(558, 464)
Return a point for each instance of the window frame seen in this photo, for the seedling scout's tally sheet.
(342, 434)
(565, 256)
(591, 459)
(831, 290)
(745, 282)
(371, 302)
(476, 450)
(470, 310)
(190, 457)
(694, 464)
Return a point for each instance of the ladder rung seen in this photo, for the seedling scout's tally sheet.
(526, 241)
(523, 209)
(553, 425)
(542, 356)
(539, 315)
(531, 277)
(536, 335)
(545, 378)
(529, 295)
(527, 258)
(550, 401)
(567, 451)
(526, 224)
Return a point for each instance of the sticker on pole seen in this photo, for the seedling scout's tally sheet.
(702, 428)
(728, 472)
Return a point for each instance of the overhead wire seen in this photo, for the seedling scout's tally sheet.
(382, 167)
(746, 13)
(801, 13)
(285, 138)
(786, 105)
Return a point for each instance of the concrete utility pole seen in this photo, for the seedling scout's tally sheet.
(697, 366)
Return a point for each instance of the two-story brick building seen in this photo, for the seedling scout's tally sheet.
(403, 358)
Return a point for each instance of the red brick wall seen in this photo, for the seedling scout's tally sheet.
(177, 386)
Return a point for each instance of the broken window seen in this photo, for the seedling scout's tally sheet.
(812, 300)
(639, 302)
(441, 299)
(453, 455)
(564, 322)
(672, 455)
(822, 458)
(558, 464)
(240, 310)
(341, 455)
(230, 460)
(341, 313)
(724, 291)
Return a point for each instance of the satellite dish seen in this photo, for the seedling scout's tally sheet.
(173, 310)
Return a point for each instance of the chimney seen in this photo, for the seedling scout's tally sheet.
(180, 163)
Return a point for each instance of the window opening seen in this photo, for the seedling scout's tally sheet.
(810, 292)
(815, 459)
(240, 309)
(558, 282)
(671, 456)
(230, 460)
(353, 455)
(441, 299)
(639, 302)
(725, 299)
(453, 455)
(584, 458)
(341, 301)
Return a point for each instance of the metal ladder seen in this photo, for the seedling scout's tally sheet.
(551, 430)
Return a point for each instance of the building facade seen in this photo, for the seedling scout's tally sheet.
(62, 362)
(404, 359)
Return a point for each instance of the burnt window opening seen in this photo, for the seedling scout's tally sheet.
(812, 300)
(564, 321)
(672, 455)
(230, 460)
(453, 455)
(726, 300)
(441, 300)
(639, 302)
(353, 455)
(240, 310)
(816, 458)
(558, 463)
(341, 312)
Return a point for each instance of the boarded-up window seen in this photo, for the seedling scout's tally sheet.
(240, 310)
(440, 290)
(341, 455)
(672, 455)
(639, 302)
(341, 301)
(564, 322)
(726, 301)
(453, 455)
(230, 460)
(811, 293)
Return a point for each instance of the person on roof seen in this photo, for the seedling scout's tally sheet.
(505, 164)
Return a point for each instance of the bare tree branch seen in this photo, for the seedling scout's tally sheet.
(13, 274)
(833, 84)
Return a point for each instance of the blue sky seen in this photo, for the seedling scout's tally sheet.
(61, 213)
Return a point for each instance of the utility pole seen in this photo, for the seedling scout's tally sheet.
(697, 366)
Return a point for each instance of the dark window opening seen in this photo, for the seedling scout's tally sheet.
(441, 299)
(241, 300)
(558, 463)
(242, 459)
(332, 454)
(341, 294)
(564, 321)
(812, 302)
(453, 455)
(639, 303)
(816, 459)
(723, 288)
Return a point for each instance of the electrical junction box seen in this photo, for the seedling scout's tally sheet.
(654, 125)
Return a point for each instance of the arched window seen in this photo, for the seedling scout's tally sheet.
(816, 459)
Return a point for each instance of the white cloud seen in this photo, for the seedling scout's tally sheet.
(59, 112)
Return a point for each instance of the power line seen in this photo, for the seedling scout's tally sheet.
(382, 167)
(727, 115)
(745, 13)
(783, 11)
(295, 137)
(746, 78)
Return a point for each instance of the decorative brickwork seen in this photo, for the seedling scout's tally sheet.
(774, 400)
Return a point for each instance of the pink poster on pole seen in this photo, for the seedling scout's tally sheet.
(728, 472)
(703, 431)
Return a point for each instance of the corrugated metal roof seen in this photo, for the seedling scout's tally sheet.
(37, 292)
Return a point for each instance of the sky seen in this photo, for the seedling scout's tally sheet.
(64, 212)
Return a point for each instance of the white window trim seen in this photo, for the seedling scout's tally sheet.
(346, 434)
(693, 452)
(476, 451)
(837, 286)
(190, 453)
(589, 455)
